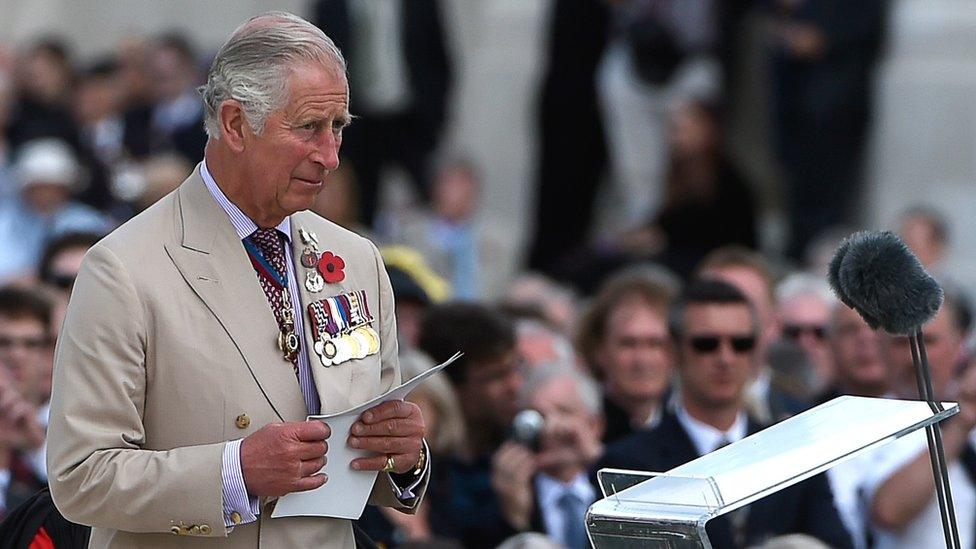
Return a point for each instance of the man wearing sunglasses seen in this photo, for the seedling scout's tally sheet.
(714, 328)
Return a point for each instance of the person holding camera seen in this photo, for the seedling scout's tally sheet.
(540, 475)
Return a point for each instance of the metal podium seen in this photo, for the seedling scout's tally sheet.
(669, 510)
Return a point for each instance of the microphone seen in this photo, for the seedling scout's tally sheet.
(876, 274)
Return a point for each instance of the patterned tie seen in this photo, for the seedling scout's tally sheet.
(574, 515)
(268, 243)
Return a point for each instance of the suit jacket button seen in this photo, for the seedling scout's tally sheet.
(195, 530)
(242, 421)
(205, 529)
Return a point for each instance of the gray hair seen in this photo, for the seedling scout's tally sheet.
(253, 64)
(586, 387)
(804, 284)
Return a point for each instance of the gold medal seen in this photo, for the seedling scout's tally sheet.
(362, 343)
(343, 349)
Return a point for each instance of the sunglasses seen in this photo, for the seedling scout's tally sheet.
(795, 331)
(710, 343)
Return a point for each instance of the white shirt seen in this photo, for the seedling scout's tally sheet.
(707, 438)
(549, 490)
(926, 529)
(4, 484)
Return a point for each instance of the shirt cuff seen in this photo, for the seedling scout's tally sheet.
(239, 508)
(404, 484)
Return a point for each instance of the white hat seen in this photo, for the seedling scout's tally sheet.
(48, 161)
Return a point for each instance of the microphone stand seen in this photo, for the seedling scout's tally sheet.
(923, 378)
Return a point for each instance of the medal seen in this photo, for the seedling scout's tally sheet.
(314, 282)
(343, 349)
(362, 343)
(310, 259)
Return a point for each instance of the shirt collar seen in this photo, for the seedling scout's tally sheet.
(707, 438)
(551, 489)
(242, 223)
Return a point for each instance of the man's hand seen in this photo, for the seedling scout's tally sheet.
(284, 457)
(18, 419)
(512, 468)
(568, 441)
(396, 429)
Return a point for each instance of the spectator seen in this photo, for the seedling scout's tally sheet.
(26, 358)
(448, 235)
(538, 344)
(822, 58)
(400, 75)
(659, 54)
(48, 172)
(750, 273)
(59, 267)
(547, 488)
(804, 304)
(174, 121)
(904, 511)
(623, 338)
(707, 203)
(926, 231)
(553, 303)
(487, 380)
(861, 370)
(98, 106)
(415, 288)
(44, 77)
(716, 331)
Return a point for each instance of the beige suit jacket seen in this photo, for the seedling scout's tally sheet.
(169, 338)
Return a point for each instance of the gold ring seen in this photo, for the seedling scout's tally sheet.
(390, 464)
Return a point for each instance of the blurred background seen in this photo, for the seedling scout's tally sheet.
(543, 161)
(570, 116)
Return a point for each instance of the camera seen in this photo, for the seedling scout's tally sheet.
(526, 429)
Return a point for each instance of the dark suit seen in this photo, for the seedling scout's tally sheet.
(806, 508)
(405, 138)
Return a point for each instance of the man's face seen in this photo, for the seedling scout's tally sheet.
(24, 348)
(299, 145)
(857, 353)
(636, 357)
(804, 319)
(570, 426)
(943, 346)
(491, 390)
(718, 353)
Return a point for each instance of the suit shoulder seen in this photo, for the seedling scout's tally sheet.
(145, 231)
(633, 451)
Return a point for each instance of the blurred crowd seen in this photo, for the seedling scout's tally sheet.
(641, 346)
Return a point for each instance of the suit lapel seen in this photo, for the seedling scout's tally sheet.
(332, 383)
(214, 263)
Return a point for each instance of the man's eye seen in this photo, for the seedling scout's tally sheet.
(308, 126)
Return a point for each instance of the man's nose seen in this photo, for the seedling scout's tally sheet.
(327, 151)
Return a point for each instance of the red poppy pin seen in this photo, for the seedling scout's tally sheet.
(331, 266)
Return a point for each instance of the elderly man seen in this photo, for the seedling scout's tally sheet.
(203, 332)
(546, 488)
(715, 330)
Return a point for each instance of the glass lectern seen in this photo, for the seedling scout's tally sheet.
(669, 510)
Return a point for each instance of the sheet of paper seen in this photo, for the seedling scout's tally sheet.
(346, 492)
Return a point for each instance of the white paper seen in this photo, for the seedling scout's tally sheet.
(344, 495)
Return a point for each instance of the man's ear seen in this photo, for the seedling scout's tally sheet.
(233, 124)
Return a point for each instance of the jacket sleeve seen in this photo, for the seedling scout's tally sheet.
(100, 474)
